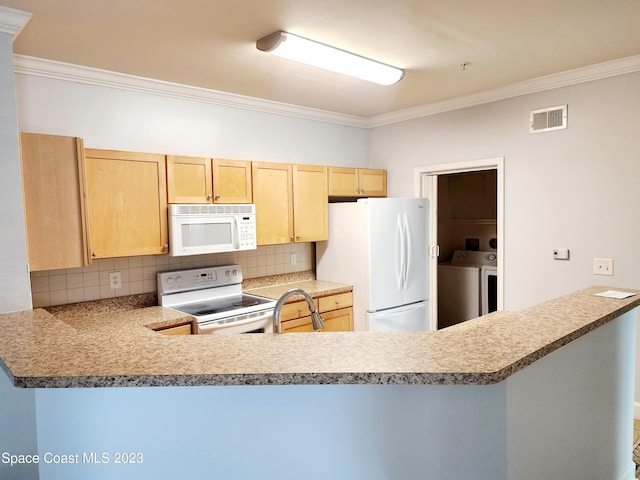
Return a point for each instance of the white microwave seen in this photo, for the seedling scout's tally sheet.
(204, 228)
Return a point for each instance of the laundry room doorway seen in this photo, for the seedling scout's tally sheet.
(466, 203)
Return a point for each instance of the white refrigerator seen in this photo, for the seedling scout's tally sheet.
(379, 245)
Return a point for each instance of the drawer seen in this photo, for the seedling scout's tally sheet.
(294, 310)
(335, 302)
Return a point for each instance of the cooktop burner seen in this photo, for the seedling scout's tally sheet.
(219, 305)
(248, 302)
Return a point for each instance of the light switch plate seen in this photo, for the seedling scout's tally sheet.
(561, 253)
(603, 266)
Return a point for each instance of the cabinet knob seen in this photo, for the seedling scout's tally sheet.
(166, 246)
(337, 302)
(210, 196)
(297, 237)
(291, 238)
(217, 197)
(93, 254)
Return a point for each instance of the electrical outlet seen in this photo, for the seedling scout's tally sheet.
(603, 266)
(114, 280)
(294, 259)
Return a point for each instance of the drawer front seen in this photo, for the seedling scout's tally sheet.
(335, 302)
(294, 310)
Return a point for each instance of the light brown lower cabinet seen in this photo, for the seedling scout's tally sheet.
(336, 310)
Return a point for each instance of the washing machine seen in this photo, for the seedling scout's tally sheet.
(467, 286)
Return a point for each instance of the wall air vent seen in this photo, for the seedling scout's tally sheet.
(548, 119)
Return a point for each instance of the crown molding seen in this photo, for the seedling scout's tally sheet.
(26, 65)
(12, 20)
(548, 82)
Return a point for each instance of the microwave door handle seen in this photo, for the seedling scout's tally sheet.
(236, 239)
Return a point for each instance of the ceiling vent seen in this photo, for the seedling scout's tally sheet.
(548, 119)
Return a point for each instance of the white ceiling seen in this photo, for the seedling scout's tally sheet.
(211, 43)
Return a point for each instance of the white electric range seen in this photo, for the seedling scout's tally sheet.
(213, 295)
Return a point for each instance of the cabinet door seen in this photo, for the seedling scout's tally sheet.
(302, 324)
(343, 182)
(273, 197)
(126, 203)
(189, 179)
(334, 321)
(231, 181)
(372, 183)
(53, 189)
(310, 203)
(338, 320)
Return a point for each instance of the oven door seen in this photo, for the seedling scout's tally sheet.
(258, 322)
(199, 234)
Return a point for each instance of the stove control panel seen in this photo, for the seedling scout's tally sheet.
(198, 278)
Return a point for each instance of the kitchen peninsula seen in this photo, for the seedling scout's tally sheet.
(546, 392)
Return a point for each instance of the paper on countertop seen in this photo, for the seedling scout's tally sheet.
(614, 294)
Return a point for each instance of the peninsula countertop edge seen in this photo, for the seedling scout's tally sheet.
(41, 350)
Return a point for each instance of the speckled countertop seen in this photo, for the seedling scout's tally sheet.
(41, 350)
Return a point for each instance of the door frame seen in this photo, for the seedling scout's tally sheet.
(426, 186)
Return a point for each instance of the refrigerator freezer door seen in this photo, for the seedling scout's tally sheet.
(409, 318)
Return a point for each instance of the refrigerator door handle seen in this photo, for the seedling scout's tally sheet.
(400, 254)
(408, 253)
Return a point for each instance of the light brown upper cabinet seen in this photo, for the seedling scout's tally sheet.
(53, 188)
(206, 180)
(291, 202)
(273, 197)
(310, 203)
(126, 203)
(357, 182)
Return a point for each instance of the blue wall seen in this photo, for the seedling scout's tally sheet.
(276, 432)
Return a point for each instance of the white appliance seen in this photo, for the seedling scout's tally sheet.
(379, 245)
(203, 228)
(467, 287)
(213, 295)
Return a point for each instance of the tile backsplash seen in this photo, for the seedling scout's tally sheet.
(138, 274)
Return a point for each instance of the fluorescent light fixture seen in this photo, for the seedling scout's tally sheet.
(299, 49)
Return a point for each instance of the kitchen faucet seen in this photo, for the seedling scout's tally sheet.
(316, 320)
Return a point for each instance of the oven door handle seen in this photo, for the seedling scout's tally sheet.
(210, 327)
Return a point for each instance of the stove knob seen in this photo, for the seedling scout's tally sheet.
(178, 279)
(235, 273)
(170, 281)
(227, 273)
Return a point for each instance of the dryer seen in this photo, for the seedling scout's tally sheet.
(466, 286)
